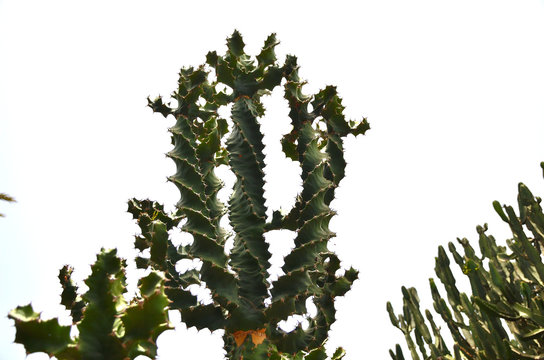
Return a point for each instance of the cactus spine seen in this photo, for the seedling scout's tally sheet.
(504, 317)
(238, 279)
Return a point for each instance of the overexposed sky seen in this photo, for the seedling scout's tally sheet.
(453, 91)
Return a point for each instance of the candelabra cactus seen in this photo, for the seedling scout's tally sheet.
(504, 317)
(244, 303)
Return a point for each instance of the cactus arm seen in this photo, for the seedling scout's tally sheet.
(197, 145)
(320, 155)
(530, 252)
(144, 211)
(69, 297)
(189, 175)
(98, 328)
(247, 211)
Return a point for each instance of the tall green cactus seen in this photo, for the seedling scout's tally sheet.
(504, 317)
(244, 303)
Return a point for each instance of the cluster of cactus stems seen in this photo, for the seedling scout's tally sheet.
(243, 302)
(109, 327)
(504, 316)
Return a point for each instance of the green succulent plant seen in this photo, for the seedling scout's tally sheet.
(503, 318)
(244, 304)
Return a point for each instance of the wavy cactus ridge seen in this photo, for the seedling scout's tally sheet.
(247, 203)
(503, 318)
(247, 211)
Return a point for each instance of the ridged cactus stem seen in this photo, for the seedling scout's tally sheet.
(249, 256)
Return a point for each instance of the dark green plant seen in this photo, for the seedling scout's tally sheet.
(108, 326)
(244, 304)
(504, 316)
(237, 278)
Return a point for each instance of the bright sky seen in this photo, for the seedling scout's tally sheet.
(453, 90)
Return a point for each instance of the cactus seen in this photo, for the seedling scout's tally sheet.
(244, 304)
(504, 316)
(108, 326)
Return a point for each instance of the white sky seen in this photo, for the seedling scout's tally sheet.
(453, 90)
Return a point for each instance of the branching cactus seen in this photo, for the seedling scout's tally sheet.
(504, 317)
(108, 327)
(244, 304)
